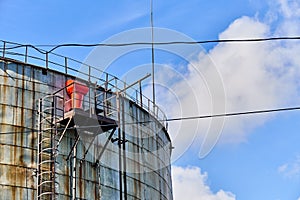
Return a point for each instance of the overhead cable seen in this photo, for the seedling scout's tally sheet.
(150, 43)
(179, 118)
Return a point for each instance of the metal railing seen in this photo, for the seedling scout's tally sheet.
(30, 54)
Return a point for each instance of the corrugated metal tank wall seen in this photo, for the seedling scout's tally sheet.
(20, 88)
(148, 176)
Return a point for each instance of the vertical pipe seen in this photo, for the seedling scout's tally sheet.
(124, 150)
(124, 88)
(141, 95)
(73, 96)
(136, 95)
(140, 144)
(74, 174)
(3, 52)
(105, 109)
(95, 98)
(89, 78)
(64, 91)
(64, 101)
(46, 60)
(159, 169)
(119, 144)
(39, 146)
(66, 65)
(149, 105)
(99, 177)
(26, 54)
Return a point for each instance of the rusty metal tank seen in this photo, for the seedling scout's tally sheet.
(129, 158)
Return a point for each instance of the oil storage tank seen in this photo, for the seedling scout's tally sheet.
(67, 133)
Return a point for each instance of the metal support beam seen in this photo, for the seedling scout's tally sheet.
(104, 147)
(63, 133)
(86, 152)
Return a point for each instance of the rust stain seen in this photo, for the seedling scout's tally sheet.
(34, 108)
(22, 106)
(21, 133)
(19, 154)
(67, 180)
(12, 176)
(13, 188)
(96, 185)
(4, 95)
(30, 179)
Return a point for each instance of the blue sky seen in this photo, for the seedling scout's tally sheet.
(256, 157)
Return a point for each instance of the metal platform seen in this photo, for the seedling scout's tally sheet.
(92, 124)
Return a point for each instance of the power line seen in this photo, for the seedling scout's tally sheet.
(233, 114)
(178, 119)
(150, 43)
(174, 42)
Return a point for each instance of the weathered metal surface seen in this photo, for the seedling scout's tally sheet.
(147, 147)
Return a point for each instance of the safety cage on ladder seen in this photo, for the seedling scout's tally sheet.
(66, 109)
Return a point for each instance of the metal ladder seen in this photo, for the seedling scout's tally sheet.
(47, 151)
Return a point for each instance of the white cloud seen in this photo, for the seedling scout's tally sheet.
(282, 168)
(283, 16)
(290, 8)
(254, 76)
(190, 183)
(291, 169)
(261, 75)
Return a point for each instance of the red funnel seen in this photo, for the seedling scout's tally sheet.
(76, 92)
